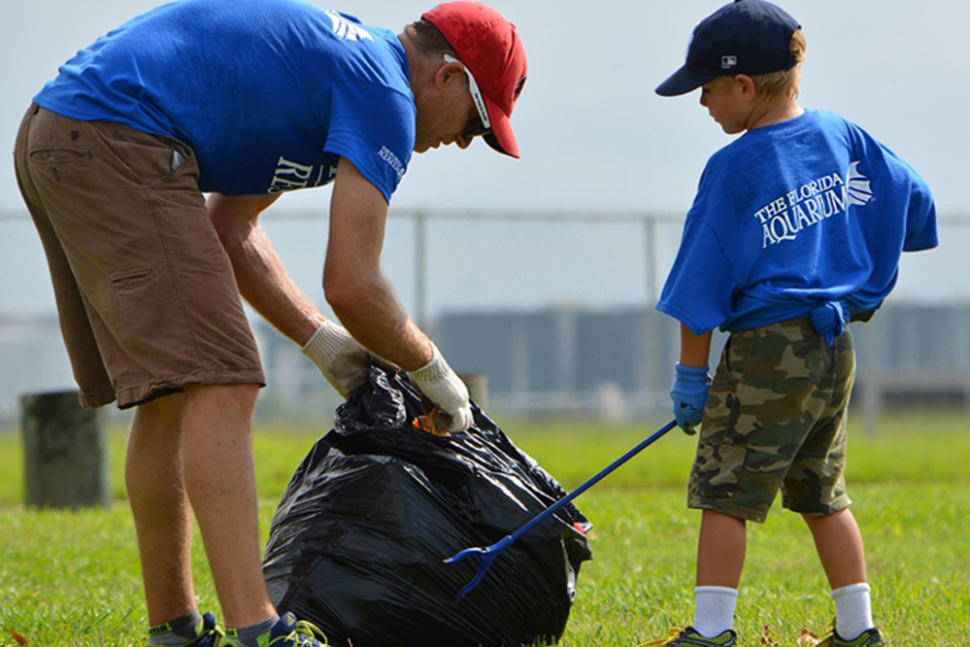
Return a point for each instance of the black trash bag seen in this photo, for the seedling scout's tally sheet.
(357, 542)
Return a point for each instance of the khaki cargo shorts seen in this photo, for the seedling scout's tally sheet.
(775, 419)
(145, 293)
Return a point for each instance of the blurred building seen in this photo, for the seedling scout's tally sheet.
(570, 359)
(613, 364)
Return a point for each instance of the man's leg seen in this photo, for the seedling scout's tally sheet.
(163, 521)
(220, 481)
(162, 312)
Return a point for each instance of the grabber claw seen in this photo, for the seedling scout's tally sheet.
(489, 553)
(487, 556)
(427, 423)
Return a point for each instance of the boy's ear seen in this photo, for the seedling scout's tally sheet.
(746, 86)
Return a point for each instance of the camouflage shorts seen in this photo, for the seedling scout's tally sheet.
(775, 418)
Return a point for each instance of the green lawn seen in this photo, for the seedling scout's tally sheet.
(72, 578)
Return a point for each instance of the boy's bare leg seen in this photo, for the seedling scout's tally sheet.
(720, 550)
(163, 518)
(217, 461)
(839, 545)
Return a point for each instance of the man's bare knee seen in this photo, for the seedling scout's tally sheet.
(159, 415)
(229, 402)
(241, 392)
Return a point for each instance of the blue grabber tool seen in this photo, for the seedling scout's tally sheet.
(487, 554)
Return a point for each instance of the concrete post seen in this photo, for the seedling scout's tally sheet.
(477, 384)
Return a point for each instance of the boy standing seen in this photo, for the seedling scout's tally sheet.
(796, 229)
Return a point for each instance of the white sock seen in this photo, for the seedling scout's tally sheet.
(714, 609)
(853, 611)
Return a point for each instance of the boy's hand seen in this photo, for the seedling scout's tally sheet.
(689, 395)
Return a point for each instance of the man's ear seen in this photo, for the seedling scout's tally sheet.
(448, 73)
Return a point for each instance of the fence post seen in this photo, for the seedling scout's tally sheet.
(65, 456)
(423, 314)
(872, 399)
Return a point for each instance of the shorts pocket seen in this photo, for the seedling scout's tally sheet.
(148, 160)
(735, 353)
(769, 460)
(730, 485)
(132, 279)
(139, 302)
(52, 156)
(716, 471)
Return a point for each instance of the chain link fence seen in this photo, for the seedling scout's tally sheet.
(554, 307)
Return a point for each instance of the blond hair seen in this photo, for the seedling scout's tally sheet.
(783, 82)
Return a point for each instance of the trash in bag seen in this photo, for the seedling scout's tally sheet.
(357, 542)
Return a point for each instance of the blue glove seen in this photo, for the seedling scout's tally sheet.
(828, 320)
(689, 395)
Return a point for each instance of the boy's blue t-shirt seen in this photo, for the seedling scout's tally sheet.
(268, 93)
(793, 215)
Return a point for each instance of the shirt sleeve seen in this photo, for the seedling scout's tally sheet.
(373, 127)
(700, 284)
(900, 216)
(920, 216)
(905, 191)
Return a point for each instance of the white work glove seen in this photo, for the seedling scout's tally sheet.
(443, 387)
(340, 357)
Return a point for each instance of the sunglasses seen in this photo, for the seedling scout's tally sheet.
(482, 126)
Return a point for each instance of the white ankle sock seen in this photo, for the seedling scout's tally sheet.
(714, 609)
(853, 611)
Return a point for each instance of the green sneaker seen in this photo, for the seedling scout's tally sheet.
(206, 632)
(689, 636)
(287, 632)
(868, 638)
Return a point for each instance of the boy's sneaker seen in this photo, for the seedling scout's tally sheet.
(868, 638)
(689, 636)
(287, 632)
(207, 632)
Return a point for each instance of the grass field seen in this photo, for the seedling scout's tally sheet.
(72, 578)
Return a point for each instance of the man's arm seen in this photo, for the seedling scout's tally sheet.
(355, 287)
(262, 279)
(354, 284)
(367, 304)
(267, 286)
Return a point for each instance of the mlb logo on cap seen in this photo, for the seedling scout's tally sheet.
(727, 62)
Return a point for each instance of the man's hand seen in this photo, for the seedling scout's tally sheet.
(442, 385)
(341, 359)
(689, 395)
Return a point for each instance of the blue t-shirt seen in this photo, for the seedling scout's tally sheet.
(268, 93)
(793, 215)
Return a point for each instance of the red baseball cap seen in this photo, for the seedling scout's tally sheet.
(488, 45)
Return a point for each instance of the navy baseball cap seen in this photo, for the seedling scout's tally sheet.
(745, 37)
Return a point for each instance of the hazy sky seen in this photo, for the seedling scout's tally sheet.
(593, 137)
